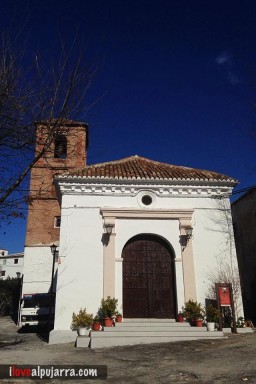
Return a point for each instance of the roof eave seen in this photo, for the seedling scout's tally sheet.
(108, 180)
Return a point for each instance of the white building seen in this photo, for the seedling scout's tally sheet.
(149, 260)
(11, 265)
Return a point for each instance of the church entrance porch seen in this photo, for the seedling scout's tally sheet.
(148, 278)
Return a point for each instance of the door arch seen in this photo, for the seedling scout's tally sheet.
(149, 289)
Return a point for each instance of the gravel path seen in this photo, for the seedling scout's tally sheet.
(227, 361)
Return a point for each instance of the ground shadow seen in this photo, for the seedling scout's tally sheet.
(41, 332)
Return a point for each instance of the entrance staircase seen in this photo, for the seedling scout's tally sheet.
(145, 331)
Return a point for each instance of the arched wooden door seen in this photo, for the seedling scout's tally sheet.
(148, 278)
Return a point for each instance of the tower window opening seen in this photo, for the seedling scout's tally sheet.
(60, 147)
(57, 221)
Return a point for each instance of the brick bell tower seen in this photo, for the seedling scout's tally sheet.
(68, 151)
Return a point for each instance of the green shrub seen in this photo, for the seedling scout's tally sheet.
(96, 319)
(212, 314)
(193, 310)
(108, 307)
(82, 319)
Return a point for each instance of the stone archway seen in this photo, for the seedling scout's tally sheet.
(148, 278)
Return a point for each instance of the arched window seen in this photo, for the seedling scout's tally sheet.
(60, 147)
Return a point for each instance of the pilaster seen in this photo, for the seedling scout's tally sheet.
(109, 262)
(188, 263)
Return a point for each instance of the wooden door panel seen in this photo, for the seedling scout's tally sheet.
(148, 279)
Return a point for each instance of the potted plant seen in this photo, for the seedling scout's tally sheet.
(212, 317)
(81, 321)
(194, 313)
(240, 323)
(180, 317)
(96, 323)
(108, 310)
(119, 317)
(249, 323)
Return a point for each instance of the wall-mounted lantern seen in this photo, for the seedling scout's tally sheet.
(109, 228)
(108, 231)
(184, 239)
(189, 231)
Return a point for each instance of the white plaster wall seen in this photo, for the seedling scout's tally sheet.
(81, 251)
(122, 201)
(37, 270)
(213, 244)
(80, 275)
(11, 269)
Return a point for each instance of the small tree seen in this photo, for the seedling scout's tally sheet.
(224, 273)
(225, 269)
(34, 88)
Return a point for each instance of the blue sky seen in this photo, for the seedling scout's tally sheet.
(177, 80)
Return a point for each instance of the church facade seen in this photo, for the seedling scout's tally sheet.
(145, 232)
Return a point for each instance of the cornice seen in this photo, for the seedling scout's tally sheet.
(182, 189)
(128, 213)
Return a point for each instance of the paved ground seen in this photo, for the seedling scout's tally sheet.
(228, 361)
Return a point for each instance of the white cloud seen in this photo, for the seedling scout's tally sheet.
(233, 79)
(223, 58)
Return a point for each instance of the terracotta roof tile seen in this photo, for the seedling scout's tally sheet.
(136, 167)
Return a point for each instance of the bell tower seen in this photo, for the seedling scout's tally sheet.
(67, 151)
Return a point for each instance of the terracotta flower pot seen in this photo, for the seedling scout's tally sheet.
(180, 318)
(96, 326)
(119, 319)
(199, 322)
(108, 322)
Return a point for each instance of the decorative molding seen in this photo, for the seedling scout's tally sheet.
(127, 213)
(184, 223)
(170, 189)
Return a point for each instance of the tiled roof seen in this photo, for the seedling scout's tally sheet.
(136, 167)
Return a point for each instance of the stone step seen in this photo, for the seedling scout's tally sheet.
(153, 324)
(145, 331)
(156, 328)
(245, 330)
(142, 333)
(114, 342)
(150, 320)
(110, 341)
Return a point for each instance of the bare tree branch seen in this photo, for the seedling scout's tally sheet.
(35, 91)
(226, 267)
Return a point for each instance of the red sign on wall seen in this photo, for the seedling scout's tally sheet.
(224, 295)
